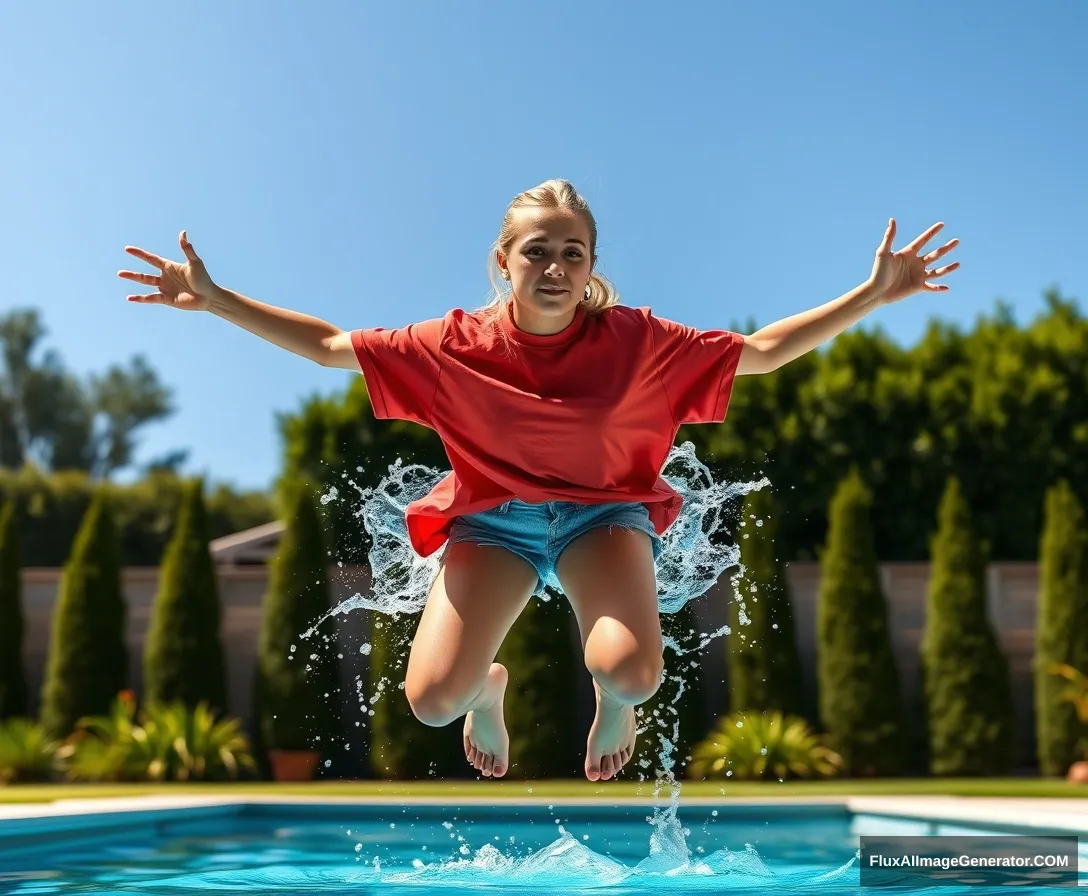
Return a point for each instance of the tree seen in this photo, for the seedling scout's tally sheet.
(330, 436)
(183, 658)
(297, 698)
(1000, 405)
(861, 706)
(49, 417)
(539, 654)
(401, 746)
(965, 676)
(88, 659)
(13, 688)
(1061, 633)
(765, 671)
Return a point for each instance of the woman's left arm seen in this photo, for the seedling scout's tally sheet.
(895, 276)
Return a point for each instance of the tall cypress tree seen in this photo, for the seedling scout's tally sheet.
(539, 654)
(401, 746)
(13, 689)
(765, 671)
(1061, 632)
(965, 675)
(294, 712)
(88, 659)
(183, 657)
(861, 706)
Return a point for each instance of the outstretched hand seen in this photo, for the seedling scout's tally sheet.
(900, 274)
(185, 286)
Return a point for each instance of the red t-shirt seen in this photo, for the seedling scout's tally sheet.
(587, 415)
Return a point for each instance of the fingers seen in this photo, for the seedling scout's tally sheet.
(924, 238)
(155, 298)
(940, 253)
(889, 237)
(160, 262)
(148, 279)
(187, 247)
(149, 257)
(940, 272)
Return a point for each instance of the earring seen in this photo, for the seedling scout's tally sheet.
(585, 298)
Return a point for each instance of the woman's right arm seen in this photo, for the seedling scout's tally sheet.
(189, 287)
(310, 337)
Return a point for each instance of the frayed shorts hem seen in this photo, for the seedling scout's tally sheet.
(539, 533)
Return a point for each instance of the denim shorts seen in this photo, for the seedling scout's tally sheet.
(539, 533)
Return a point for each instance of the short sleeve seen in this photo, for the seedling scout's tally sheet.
(696, 368)
(402, 368)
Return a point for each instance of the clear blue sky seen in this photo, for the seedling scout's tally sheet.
(353, 160)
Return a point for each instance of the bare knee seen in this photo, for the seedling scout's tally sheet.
(633, 678)
(435, 703)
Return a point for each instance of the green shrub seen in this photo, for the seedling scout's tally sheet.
(1061, 632)
(752, 746)
(297, 698)
(88, 659)
(183, 658)
(1075, 694)
(51, 506)
(166, 742)
(401, 746)
(861, 707)
(765, 671)
(27, 753)
(965, 676)
(540, 656)
(13, 688)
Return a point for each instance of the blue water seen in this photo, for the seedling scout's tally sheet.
(430, 850)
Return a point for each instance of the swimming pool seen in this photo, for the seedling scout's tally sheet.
(418, 849)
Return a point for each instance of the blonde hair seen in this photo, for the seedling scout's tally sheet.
(556, 194)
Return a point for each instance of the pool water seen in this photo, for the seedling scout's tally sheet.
(426, 849)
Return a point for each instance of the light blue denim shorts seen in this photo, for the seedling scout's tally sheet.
(539, 533)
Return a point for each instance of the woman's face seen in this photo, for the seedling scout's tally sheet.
(548, 267)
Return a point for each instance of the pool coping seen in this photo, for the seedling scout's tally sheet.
(1021, 813)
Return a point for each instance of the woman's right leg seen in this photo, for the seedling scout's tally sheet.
(479, 592)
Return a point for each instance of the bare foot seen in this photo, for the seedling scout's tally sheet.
(611, 737)
(487, 745)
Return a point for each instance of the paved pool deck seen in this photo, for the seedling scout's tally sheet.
(1066, 814)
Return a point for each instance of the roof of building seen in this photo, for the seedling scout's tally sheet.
(256, 545)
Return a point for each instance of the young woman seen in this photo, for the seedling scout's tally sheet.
(557, 407)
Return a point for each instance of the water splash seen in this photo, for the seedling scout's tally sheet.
(566, 865)
(696, 549)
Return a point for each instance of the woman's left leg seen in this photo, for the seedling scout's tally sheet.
(608, 576)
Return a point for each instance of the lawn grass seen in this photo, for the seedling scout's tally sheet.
(558, 789)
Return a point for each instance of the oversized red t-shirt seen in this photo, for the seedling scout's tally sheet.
(586, 415)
